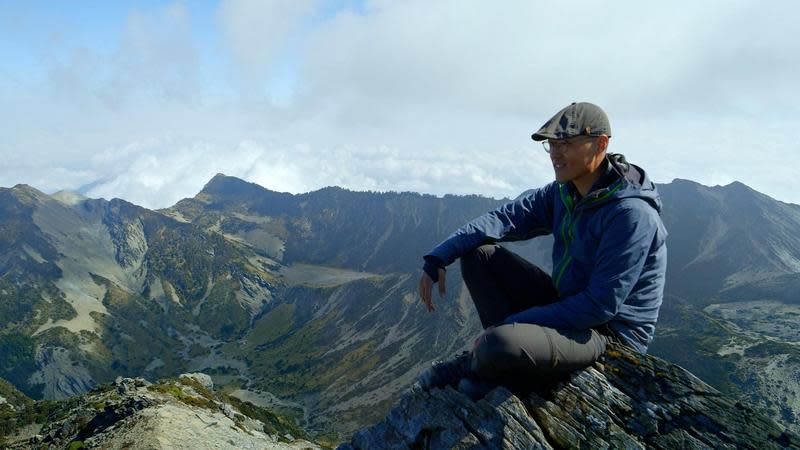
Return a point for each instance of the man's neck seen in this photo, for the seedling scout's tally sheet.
(585, 183)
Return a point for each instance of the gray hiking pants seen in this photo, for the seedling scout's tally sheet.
(503, 283)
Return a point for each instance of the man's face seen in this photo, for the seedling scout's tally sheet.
(574, 158)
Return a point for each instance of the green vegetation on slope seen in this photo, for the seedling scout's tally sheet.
(691, 338)
(18, 354)
(20, 410)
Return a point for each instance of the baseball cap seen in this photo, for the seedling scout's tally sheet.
(577, 119)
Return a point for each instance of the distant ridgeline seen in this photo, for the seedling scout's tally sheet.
(308, 301)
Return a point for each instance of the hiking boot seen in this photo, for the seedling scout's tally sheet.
(443, 373)
(475, 389)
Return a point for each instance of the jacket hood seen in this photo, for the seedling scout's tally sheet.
(622, 180)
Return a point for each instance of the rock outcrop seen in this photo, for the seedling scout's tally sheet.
(625, 400)
(171, 414)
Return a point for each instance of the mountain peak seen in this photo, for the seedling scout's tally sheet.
(625, 400)
(28, 194)
(26, 188)
(222, 184)
(219, 179)
(739, 187)
(683, 181)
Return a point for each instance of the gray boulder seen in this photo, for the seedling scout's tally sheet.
(203, 379)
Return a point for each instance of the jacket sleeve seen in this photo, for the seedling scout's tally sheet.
(528, 216)
(621, 256)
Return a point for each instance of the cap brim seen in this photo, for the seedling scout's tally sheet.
(540, 137)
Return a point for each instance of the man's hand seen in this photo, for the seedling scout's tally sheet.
(426, 288)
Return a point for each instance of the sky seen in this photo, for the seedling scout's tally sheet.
(147, 100)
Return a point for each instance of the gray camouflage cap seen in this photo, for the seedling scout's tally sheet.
(577, 119)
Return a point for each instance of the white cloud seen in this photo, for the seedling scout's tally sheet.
(529, 58)
(155, 62)
(257, 33)
(158, 173)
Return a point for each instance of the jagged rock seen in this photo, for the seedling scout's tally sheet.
(625, 400)
(128, 385)
(203, 379)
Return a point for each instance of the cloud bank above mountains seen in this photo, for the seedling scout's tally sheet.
(148, 104)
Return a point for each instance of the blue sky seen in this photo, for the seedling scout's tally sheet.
(147, 100)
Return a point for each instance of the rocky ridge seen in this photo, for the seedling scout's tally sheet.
(625, 400)
(182, 413)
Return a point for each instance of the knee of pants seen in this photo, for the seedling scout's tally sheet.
(483, 252)
(479, 255)
(501, 350)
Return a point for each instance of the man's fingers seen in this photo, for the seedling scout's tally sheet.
(425, 289)
(425, 283)
(441, 283)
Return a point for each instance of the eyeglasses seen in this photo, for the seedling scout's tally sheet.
(562, 145)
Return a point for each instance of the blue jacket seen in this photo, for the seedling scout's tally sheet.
(609, 254)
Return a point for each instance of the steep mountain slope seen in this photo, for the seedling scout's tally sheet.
(726, 237)
(203, 299)
(730, 314)
(346, 351)
(86, 284)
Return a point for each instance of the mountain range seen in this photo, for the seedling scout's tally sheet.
(306, 303)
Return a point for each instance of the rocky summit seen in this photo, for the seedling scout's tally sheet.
(625, 400)
(182, 413)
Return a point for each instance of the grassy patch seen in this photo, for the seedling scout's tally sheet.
(352, 366)
(770, 349)
(276, 323)
(198, 350)
(291, 363)
(222, 314)
(173, 388)
(273, 423)
(115, 296)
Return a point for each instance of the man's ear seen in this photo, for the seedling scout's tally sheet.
(602, 142)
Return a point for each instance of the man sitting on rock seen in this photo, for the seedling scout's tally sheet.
(609, 262)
